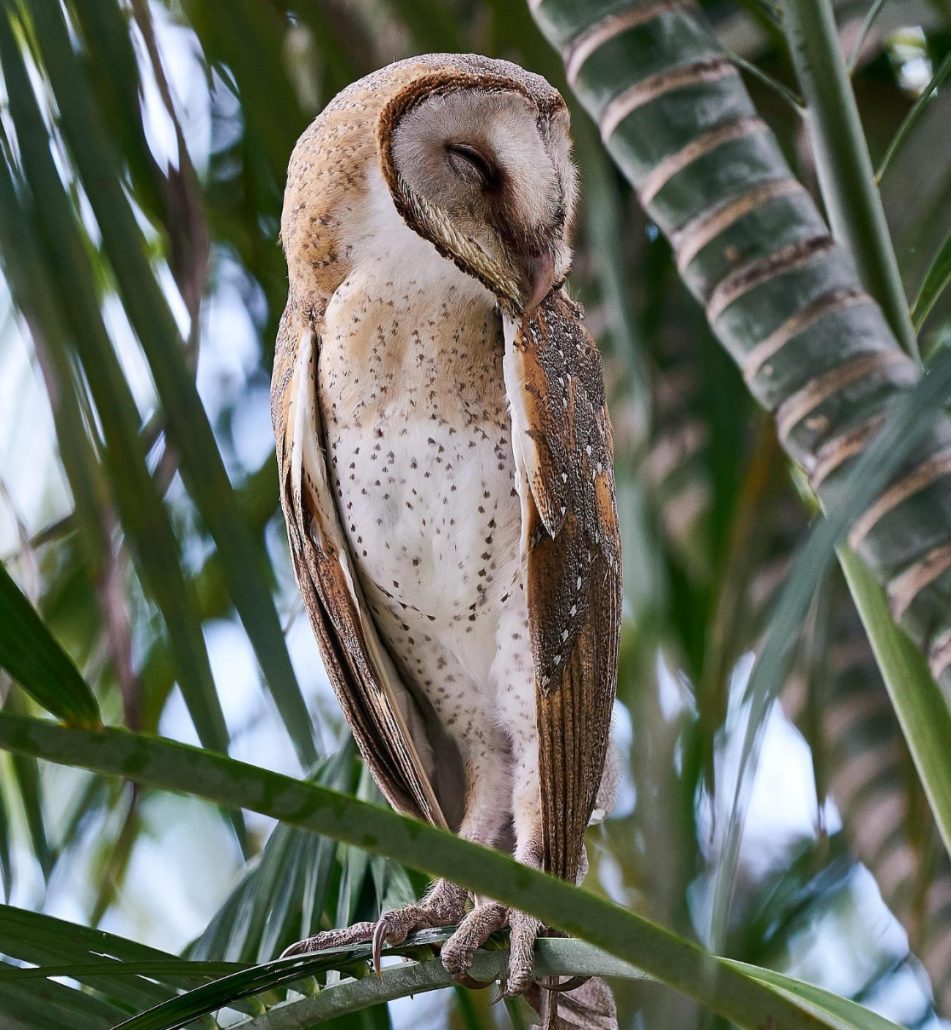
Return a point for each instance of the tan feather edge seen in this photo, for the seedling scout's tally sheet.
(356, 663)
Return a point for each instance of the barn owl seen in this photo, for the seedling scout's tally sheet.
(446, 473)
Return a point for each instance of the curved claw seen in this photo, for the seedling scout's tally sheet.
(464, 980)
(379, 938)
(500, 992)
(561, 988)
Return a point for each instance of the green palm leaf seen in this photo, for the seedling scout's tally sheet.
(935, 283)
(660, 954)
(188, 424)
(143, 515)
(33, 658)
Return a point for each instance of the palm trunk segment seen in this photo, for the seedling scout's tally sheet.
(781, 295)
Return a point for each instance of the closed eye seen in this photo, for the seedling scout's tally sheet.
(471, 164)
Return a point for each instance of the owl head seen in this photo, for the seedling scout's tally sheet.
(475, 155)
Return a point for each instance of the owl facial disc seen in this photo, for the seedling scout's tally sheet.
(484, 172)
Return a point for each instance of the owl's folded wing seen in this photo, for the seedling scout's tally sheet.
(571, 560)
(377, 706)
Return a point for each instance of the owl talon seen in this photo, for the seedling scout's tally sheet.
(443, 904)
(392, 928)
(379, 933)
(571, 984)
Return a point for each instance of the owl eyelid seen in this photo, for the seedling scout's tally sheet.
(471, 164)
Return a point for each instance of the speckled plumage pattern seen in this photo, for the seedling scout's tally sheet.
(446, 471)
(418, 440)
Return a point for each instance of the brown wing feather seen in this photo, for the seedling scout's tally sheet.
(377, 706)
(571, 554)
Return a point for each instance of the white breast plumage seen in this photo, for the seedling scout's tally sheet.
(419, 448)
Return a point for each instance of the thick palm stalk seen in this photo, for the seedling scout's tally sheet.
(781, 295)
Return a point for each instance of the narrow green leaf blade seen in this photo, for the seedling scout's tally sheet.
(849, 1013)
(33, 657)
(6, 866)
(142, 512)
(914, 115)
(130, 973)
(935, 283)
(26, 774)
(920, 706)
(28, 1006)
(874, 10)
(106, 30)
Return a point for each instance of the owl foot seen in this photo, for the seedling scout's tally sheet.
(359, 933)
(484, 920)
(443, 904)
(524, 931)
(474, 930)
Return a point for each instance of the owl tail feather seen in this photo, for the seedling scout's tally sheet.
(588, 1007)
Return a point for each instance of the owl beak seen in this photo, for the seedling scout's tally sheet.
(539, 277)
